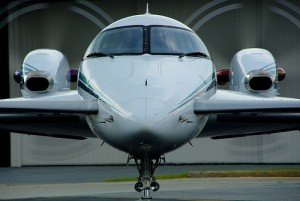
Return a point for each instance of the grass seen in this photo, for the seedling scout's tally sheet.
(292, 172)
(160, 177)
(288, 172)
(121, 179)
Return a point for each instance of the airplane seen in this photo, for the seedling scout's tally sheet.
(147, 85)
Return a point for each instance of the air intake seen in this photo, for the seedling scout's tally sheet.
(38, 81)
(259, 81)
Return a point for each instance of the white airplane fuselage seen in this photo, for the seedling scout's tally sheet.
(146, 99)
(146, 88)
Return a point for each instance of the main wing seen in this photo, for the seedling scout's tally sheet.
(59, 115)
(233, 114)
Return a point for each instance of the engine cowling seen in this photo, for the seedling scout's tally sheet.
(253, 71)
(43, 71)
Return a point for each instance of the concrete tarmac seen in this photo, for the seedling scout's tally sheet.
(247, 189)
(88, 174)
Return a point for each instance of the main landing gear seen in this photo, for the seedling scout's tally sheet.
(146, 164)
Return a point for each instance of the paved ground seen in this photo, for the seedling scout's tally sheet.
(87, 174)
(254, 189)
(65, 188)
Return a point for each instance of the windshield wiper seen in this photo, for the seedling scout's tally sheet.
(193, 54)
(99, 54)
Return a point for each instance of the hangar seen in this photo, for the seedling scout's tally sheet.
(225, 26)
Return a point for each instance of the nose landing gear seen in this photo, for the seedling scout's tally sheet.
(139, 187)
(146, 164)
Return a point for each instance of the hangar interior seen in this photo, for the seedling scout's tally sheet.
(225, 26)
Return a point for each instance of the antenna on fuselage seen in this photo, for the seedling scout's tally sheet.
(147, 9)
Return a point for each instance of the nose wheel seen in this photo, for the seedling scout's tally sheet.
(154, 186)
(146, 165)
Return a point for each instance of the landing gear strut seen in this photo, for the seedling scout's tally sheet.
(146, 165)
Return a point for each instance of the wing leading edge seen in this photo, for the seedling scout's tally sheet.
(232, 102)
(61, 102)
(233, 114)
(73, 107)
(59, 115)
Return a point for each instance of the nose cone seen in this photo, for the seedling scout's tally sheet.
(147, 110)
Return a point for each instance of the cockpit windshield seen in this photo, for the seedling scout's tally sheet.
(169, 40)
(146, 40)
(125, 40)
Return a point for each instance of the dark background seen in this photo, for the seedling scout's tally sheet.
(225, 26)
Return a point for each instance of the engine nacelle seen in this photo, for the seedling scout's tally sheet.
(44, 71)
(254, 71)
